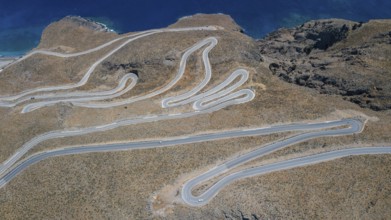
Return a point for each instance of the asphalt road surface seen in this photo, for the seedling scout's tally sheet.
(221, 96)
(206, 196)
(12, 100)
(355, 126)
(216, 99)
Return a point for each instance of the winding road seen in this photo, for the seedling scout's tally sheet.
(224, 94)
(216, 98)
(355, 126)
(205, 197)
(13, 100)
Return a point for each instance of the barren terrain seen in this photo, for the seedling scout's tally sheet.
(142, 184)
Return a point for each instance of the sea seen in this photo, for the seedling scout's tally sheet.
(22, 21)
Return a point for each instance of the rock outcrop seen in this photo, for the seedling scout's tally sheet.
(336, 57)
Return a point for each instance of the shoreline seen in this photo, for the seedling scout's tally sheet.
(4, 61)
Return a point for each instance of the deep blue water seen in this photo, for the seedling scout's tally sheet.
(22, 21)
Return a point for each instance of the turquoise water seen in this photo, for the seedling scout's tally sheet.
(22, 21)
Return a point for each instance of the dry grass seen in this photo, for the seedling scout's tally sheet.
(120, 185)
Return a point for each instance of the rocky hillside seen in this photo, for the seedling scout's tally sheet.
(322, 70)
(335, 57)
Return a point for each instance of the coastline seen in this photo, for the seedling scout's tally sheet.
(4, 61)
(7, 57)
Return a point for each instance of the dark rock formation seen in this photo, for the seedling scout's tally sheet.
(127, 67)
(238, 214)
(335, 57)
